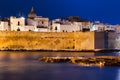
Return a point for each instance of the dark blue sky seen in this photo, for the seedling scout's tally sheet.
(107, 11)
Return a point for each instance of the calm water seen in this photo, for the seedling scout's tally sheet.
(25, 66)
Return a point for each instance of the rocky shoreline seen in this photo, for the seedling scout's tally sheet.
(100, 61)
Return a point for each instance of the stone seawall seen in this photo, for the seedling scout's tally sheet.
(11, 40)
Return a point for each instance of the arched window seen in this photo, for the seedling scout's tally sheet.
(18, 23)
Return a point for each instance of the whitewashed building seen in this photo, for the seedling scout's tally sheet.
(97, 26)
(29, 28)
(41, 29)
(40, 23)
(4, 26)
(66, 27)
(59, 25)
(17, 24)
(110, 27)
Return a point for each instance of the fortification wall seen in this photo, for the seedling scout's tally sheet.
(46, 41)
(113, 40)
(99, 39)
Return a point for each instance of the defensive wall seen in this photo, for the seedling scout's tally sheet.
(12, 40)
(79, 41)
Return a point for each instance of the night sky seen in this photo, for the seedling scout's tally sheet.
(106, 11)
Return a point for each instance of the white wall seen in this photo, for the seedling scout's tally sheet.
(17, 23)
(42, 29)
(38, 21)
(98, 27)
(4, 26)
(29, 28)
(68, 28)
(56, 27)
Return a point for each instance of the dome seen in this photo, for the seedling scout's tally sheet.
(32, 14)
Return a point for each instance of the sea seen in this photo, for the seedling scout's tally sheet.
(23, 65)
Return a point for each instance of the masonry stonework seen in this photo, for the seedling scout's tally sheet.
(46, 41)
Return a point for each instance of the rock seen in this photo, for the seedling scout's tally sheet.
(91, 61)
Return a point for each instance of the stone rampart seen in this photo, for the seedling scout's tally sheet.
(12, 40)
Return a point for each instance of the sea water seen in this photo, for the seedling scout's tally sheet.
(26, 66)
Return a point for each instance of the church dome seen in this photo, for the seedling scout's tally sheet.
(32, 14)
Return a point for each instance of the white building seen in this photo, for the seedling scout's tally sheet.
(40, 23)
(29, 28)
(73, 27)
(85, 25)
(97, 26)
(41, 29)
(110, 27)
(63, 25)
(4, 26)
(17, 24)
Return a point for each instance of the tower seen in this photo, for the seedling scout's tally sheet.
(32, 14)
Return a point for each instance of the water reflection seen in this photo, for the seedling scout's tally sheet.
(13, 56)
(107, 54)
(8, 56)
(118, 76)
(25, 66)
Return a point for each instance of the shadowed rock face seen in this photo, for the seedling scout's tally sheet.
(91, 61)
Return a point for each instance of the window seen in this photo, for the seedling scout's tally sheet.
(18, 23)
(42, 22)
(56, 28)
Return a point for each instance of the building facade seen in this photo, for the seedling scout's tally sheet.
(17, 24)
(4, 26)
(56, 27)
(40, 23)
(63, 25)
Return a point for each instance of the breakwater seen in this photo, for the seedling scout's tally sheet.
(85, 61)
(12, 40)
